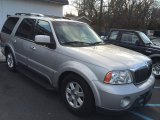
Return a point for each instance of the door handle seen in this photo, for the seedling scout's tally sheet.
(33, 48)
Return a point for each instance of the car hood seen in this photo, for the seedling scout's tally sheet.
(156, 46)
(156, 41)
(107, 56)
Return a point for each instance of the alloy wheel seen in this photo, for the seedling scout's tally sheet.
(156, 69)
(10, 61)
(74, 95)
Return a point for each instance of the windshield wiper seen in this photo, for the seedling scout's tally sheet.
(76, 42)
(82, 43)
(98, 43)
(149, 43)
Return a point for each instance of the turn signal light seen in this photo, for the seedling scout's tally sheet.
(108, 78)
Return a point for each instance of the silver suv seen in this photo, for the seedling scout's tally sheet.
(69, 56)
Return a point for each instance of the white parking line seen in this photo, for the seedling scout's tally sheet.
(141, 115)
(157, 87)
(152, 105)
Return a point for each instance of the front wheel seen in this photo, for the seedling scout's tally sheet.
(10, 61)
(77, 95)
(156, 68)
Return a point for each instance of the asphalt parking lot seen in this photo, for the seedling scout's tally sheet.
(23, 99)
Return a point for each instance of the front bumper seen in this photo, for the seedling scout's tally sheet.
(111, 96)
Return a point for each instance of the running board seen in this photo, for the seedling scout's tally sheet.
(40, 79)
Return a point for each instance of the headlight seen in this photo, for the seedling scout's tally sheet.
(118, 77)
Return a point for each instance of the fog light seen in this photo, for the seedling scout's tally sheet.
(125, 102)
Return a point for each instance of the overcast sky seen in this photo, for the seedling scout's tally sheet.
(69, 9)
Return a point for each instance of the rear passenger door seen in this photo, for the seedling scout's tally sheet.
(23, 38)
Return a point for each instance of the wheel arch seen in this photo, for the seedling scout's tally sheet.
(91, 86)
(155, 57)
(85, 73)
(8, 48)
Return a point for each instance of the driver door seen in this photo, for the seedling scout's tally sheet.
(42, 58)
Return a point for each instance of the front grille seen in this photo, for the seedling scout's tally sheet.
(143, 74)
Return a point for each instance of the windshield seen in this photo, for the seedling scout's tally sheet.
(145, 39)
(69, 33)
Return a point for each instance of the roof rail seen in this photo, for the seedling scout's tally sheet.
(65, 18)
(41, 15)
(57, 17)
(31, 14)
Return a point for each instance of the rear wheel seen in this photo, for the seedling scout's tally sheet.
(156, 68)
(10, 61)
(77, 95)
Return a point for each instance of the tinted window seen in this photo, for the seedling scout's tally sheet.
(43, 28)
(26, 29)
(130, 38)
(113, 35)
(9, 25)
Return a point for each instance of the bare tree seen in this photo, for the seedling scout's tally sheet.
(131, 14)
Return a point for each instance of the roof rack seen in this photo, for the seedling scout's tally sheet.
(57, 17)
(31, 14)
(41, 15)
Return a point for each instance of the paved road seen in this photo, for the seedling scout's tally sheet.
(22, 99)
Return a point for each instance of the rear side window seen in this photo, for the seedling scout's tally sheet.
(26, 29)
(113, 36)
(9, 25)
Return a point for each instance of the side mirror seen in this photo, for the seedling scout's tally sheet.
(42, 39)
(103, 37)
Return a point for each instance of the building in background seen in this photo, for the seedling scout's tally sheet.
(81, 19)
(49, 7)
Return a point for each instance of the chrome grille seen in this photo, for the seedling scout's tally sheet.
(142, 74)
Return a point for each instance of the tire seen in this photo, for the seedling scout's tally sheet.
(81, 104)
(10, 60)
(156, 68)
